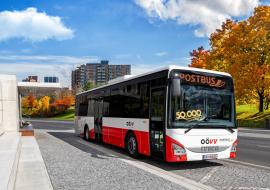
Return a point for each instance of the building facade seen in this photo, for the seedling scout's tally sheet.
(97, 73)
(31, 79)
(51, 79)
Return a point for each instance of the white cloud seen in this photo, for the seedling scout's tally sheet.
(29, 24)
(206, 15)
(60, 66)
(161, 54)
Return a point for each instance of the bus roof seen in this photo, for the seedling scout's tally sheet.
(169, 68)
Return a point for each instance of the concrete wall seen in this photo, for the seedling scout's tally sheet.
(9, 106)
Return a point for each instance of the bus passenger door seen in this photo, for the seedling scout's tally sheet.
(98, 106)
(157, 121)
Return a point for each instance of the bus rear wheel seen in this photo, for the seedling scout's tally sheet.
(132, 145)
(86, 133)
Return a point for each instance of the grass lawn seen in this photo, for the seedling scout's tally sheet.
(68, 115)
(249, 116)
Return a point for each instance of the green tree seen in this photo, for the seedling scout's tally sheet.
(89, 85)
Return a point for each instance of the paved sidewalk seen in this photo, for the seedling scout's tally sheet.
(10, 146)
(32, 173)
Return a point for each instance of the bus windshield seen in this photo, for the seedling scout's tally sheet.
(201, 103)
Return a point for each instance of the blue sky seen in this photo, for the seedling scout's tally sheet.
(144, 33)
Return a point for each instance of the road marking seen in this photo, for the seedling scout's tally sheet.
(209, 175)
(57, 131)
(252, 130)
(248, 164)
(254, 135)
(179, 180)
(49, 121)
(182, 181)
(247, 188)
(263, 146)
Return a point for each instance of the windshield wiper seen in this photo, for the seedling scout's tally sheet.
(197, 124)
(193, 126)
(206, 118)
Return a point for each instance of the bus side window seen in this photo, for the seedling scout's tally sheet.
(144, 95)
(83, 108)
(90, 108)
(106, 107)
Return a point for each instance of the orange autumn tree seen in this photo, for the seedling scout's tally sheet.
(45, 103)
(243, 49)
(29, 102)
(198, 58)
(64, 103)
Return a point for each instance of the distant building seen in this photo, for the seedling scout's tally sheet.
(40, 89)
(31, 79)
(51, 79)
(97, 73)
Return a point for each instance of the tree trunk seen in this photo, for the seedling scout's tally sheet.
(266, 103)
(261, 97)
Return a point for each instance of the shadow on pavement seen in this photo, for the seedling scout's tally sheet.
(75, 141)
(72, 139)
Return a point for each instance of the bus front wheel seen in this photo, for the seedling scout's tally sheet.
(132, 145)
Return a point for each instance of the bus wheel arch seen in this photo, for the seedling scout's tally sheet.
(131, 144)
(86, 133)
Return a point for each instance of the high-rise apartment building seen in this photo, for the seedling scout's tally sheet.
(97, 73)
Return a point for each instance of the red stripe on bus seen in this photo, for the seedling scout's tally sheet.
(143, 142)
(116, 136)
(92, 134)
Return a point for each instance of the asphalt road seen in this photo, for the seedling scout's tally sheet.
(254, 146)
(71, 167)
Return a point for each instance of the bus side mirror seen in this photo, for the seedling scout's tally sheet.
(176, 89)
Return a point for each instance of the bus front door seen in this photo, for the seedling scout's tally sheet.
(157, 122)
(98, 106)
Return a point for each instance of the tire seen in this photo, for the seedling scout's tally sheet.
(132, 145)
(86, 133)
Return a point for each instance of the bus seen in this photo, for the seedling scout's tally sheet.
(174, 113)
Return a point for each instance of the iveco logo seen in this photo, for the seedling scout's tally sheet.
(209, 149)
(208, 141)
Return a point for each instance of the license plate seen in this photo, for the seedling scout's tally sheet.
(209, 157)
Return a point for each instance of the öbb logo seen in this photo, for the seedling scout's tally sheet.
(208, 141)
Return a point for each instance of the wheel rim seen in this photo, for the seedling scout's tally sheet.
(131, 145)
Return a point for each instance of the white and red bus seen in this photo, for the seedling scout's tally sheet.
(174, 113)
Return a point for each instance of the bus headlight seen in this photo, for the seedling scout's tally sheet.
(178, 150)
(233, 149)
